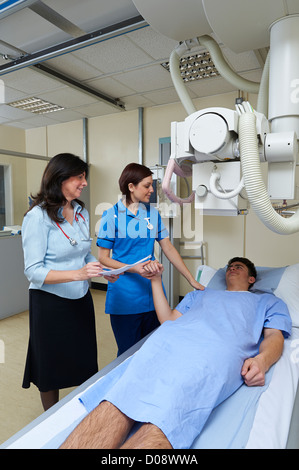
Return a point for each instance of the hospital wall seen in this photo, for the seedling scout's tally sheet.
(13, 139)
(113, 142)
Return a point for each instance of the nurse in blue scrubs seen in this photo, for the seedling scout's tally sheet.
(129, 230)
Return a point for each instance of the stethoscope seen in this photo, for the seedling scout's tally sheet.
(72, 241)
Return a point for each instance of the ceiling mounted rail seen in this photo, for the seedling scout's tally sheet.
(80, 86)
(8, 7)
(55, 18)
(88, 39)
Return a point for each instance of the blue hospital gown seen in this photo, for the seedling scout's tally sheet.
(190, 365)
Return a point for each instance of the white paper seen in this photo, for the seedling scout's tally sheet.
(108, 272)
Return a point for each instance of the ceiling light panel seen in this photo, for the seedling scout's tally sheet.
(196, 67)
(36, 105)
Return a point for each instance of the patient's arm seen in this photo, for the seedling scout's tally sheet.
(162, 308)
(255, 368)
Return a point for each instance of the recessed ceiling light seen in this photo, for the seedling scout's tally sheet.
(36, 105)
(196, 67)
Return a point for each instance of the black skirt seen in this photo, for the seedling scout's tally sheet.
(62, 349)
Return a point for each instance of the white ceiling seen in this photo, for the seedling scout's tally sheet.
(124, 64)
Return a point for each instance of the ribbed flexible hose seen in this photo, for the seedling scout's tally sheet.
(215, 176)
(255, 187)
(179, 85)
(224, 69)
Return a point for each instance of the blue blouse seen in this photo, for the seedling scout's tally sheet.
(47, 248)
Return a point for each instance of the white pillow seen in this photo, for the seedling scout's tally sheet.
(204, 274)
(288, 291)
(287, 288)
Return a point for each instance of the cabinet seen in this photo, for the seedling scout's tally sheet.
(13, 283)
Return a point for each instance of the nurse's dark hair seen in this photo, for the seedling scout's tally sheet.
(132, 173)
(247, 262)
(50, 196)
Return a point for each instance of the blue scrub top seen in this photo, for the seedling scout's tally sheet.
(131, 238)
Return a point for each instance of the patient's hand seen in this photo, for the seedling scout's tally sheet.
(148, 269)
(253, 372)
(153, 269)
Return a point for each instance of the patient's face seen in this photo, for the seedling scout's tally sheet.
(238, 273)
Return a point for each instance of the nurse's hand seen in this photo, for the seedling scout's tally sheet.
(153, 269)
(147, 269)
(196, 285)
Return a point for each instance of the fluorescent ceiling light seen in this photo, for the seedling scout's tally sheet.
(36, 105)
(196, 67)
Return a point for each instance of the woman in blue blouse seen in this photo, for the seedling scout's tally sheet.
(62, 349)
(129, 229)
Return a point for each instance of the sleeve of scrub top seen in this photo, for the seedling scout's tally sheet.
(106, 233)
(34, 240)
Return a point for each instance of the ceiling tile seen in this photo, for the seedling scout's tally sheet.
(29, 81)
(150, 78)
(210, 86)
(96, 109)
(71, 65)
(67, 97)
(111, 87)
(114, 55)
(13, 113)
(137, 101)
(241, 62)
(10, 94)
(152, 42)
(166, 96)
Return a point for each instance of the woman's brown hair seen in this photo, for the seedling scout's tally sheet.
(132, 173)
(50, 196)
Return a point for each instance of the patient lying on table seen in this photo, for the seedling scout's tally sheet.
(214, 341)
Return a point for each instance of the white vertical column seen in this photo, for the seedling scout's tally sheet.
(284, 75)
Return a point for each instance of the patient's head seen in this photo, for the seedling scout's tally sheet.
(249, 264)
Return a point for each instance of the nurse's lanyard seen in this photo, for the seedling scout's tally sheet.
(71, 240)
